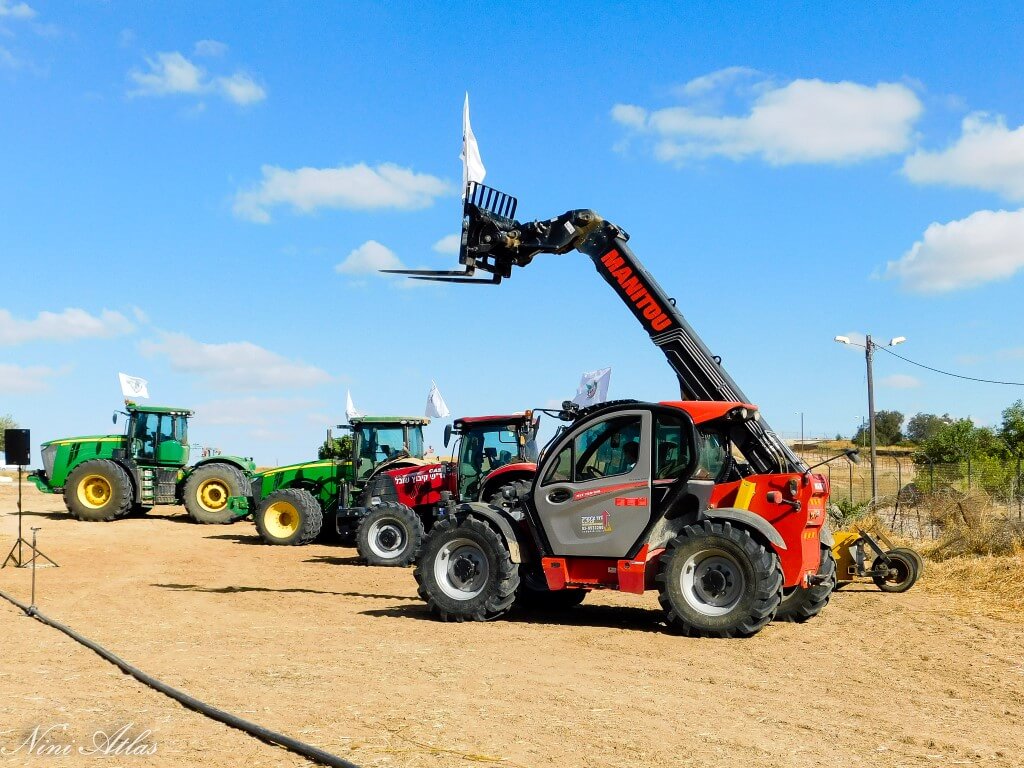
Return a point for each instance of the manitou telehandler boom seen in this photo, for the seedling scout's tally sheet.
(632, 496)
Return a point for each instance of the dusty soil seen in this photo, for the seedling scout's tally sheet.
(307, 641)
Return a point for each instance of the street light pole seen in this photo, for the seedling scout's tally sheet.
(869, 353)
(868, 356)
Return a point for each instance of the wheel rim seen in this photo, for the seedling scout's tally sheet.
(213, 494)
(898, 573)
(712, 582)
(461, 569)
(387, 538)
(281, 519)
(94, 491)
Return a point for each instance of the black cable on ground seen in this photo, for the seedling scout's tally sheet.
(264, 734)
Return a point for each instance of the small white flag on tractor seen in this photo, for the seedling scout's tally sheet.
(437, 408)
(133, 386)
(593, 388)
(472, 165)
(350, 409)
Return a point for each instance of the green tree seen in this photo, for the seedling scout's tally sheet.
(923, 426)
(888, 429)
(1012, 430)
(336, 448)
(960, 440)
(6, 422)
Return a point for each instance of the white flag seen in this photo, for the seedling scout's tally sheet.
(133, 386)
(436, 406)
(593, 388)
(472, 166)
(350, 409)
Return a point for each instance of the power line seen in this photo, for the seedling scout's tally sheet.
(947, 373)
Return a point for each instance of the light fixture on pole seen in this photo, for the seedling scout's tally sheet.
(869, 348)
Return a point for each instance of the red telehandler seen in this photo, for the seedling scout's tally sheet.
(726, 522)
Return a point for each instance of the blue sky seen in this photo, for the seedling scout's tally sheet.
(198, 195)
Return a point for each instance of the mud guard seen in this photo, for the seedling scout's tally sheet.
(498, 518)
(750, 520)
(241, 462)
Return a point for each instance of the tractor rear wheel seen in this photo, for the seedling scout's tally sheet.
(391, 534)
(208, 489)
(902, 572)
(465, 572)
(98, 490)
(801, 604)
(717, 581)
(289, 517)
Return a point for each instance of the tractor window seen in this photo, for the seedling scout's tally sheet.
(181, 429)
(711, 457)
(166, 428)
(486, 448)
(561, 470)
(146, 425)
(607, 449)
(381, 444)
(673, 447)
(415, 442)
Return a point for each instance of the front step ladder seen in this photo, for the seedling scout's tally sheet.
(148, 494)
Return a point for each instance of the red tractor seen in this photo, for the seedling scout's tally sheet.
(725, 521)
(398, 505)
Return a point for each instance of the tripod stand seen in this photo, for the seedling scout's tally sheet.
(17, 553)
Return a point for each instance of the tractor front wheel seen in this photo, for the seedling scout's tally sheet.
(801, 604)
(718, 581)
(465, 572)
(98, 490)
(208, 489)
(391, 534)
(290, 517)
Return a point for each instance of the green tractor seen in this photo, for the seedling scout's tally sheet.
(104, 477)
(291, 502)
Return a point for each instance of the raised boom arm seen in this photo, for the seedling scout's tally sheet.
(494, 242)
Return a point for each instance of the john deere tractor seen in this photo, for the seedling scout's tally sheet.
(291, 502)
(104, 477)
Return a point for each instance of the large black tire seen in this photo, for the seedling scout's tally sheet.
(902, 572)
(534, 594)
(289, 517)
(207, 490)
(802, 604)
(391, 535)
(465, 572)
(98, 490)
(718, 581)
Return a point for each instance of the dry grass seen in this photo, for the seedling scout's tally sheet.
(1000, 578)
(971, 525)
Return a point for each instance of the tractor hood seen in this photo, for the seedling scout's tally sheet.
(84, 439)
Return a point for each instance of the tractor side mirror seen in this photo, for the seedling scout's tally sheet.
(114, 419)
(853, 456)
(447, 434)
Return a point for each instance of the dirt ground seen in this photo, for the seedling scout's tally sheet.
(308, 642)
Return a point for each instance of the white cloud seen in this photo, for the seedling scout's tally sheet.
(900, 381)
(987, 156)
(369, 258)
(449, 244)
(70, 325)
(353, 187)
(8, 60)
(21, 380)
(805, 121)
(718, 79)
(241, 89)
(171, 73)
(986, 246)
(237, 365)
(15, 10)
(211, 48)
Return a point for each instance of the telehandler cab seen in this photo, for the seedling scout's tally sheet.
(725, 544)
(104, 477)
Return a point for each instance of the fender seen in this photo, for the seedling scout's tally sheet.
(245, 464)
(749, 519)
(499, 518)
(523, 470)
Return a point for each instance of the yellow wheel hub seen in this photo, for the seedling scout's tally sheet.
(213, 494)
(281, 520)
(94, 491)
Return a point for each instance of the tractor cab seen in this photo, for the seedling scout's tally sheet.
(157, 435)
(487, 443)
(377, 440)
